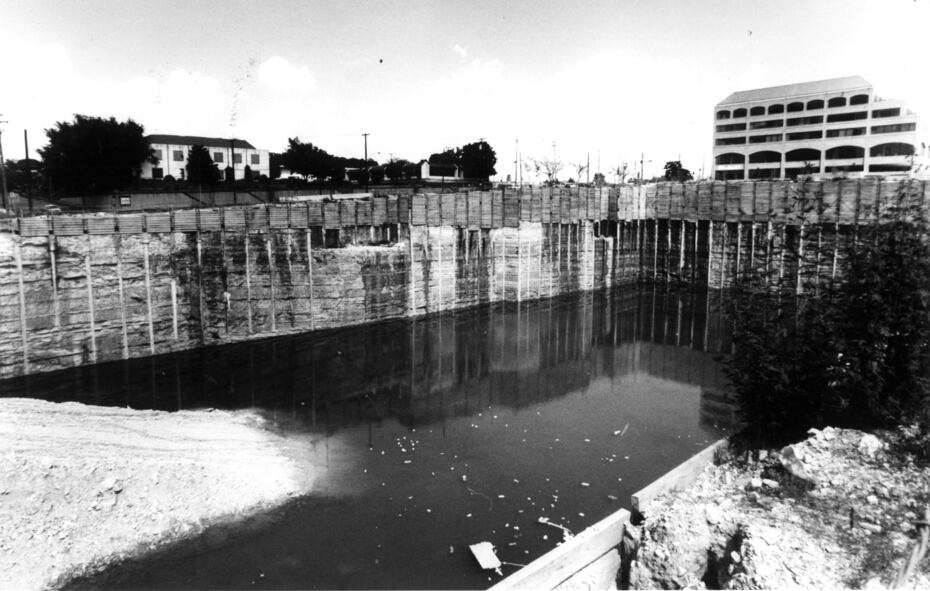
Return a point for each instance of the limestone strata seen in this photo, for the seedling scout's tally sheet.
(98, 297)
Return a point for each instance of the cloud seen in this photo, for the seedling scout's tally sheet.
(279, 75)
(463, 53)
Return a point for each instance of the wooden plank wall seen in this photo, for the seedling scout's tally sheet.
(844, 202)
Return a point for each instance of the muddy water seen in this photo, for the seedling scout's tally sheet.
(433, 434)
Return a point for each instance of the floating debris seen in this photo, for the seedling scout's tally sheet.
(566, 533)
(486, 557)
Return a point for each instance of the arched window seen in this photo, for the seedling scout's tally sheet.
(775, 109)
(859, 99)
(795, 107)
(892, 149)
(757, 111)
(730, 158)
(766, 156)
(723, 114)
(841, 152)
(814, 104)
(739, 113)
(837, 101)
(803, 155)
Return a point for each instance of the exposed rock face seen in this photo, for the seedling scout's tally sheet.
(98, 297)
(851, 524)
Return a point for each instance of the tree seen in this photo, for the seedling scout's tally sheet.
(580, 167)
(23, 176)
(447, 157)
(477, 160)
(201, 170)
(599, 179)
(309, 160)
(95, 155)
(622, 171)
(848, 351)
(396, 169)
(548, 167)
(674, 171)
(275, 162)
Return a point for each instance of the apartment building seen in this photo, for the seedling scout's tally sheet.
(234, 154)
(826, 128)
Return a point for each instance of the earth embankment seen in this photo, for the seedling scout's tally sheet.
(83, 487)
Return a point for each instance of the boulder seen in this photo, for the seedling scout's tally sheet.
(869, 445)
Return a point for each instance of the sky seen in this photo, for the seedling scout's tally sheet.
(616, 81)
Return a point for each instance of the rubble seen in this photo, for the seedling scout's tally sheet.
(836, 510)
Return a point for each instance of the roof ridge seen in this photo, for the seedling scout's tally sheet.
(190, 140)
(796, 89)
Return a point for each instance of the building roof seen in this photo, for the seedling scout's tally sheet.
(799, 89)
(190, 140)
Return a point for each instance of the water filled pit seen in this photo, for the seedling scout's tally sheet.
(429, 435)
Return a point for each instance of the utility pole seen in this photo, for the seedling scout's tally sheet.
(516, 161)
(587, 169)
(3, 170)
(365, 135)
(232, 163)
(642, 158)
(28, 170)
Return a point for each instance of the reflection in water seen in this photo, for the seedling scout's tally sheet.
(418, 371)
(431, 434)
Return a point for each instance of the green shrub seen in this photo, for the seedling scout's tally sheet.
(851, 352)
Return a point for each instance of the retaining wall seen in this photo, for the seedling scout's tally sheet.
(79, 289)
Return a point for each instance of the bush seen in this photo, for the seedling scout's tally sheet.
(855, 352)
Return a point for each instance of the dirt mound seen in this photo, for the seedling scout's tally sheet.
(834, 511)
(82, 487)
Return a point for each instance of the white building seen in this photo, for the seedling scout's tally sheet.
(826, 128)
(440, 172)
(172, 151)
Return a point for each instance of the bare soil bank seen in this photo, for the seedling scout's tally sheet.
(834, 511)
(83, 487)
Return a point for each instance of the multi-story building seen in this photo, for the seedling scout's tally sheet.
(827, 128)
(172, 151)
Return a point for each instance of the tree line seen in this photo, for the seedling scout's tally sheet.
(476, 161)
(91, 155)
